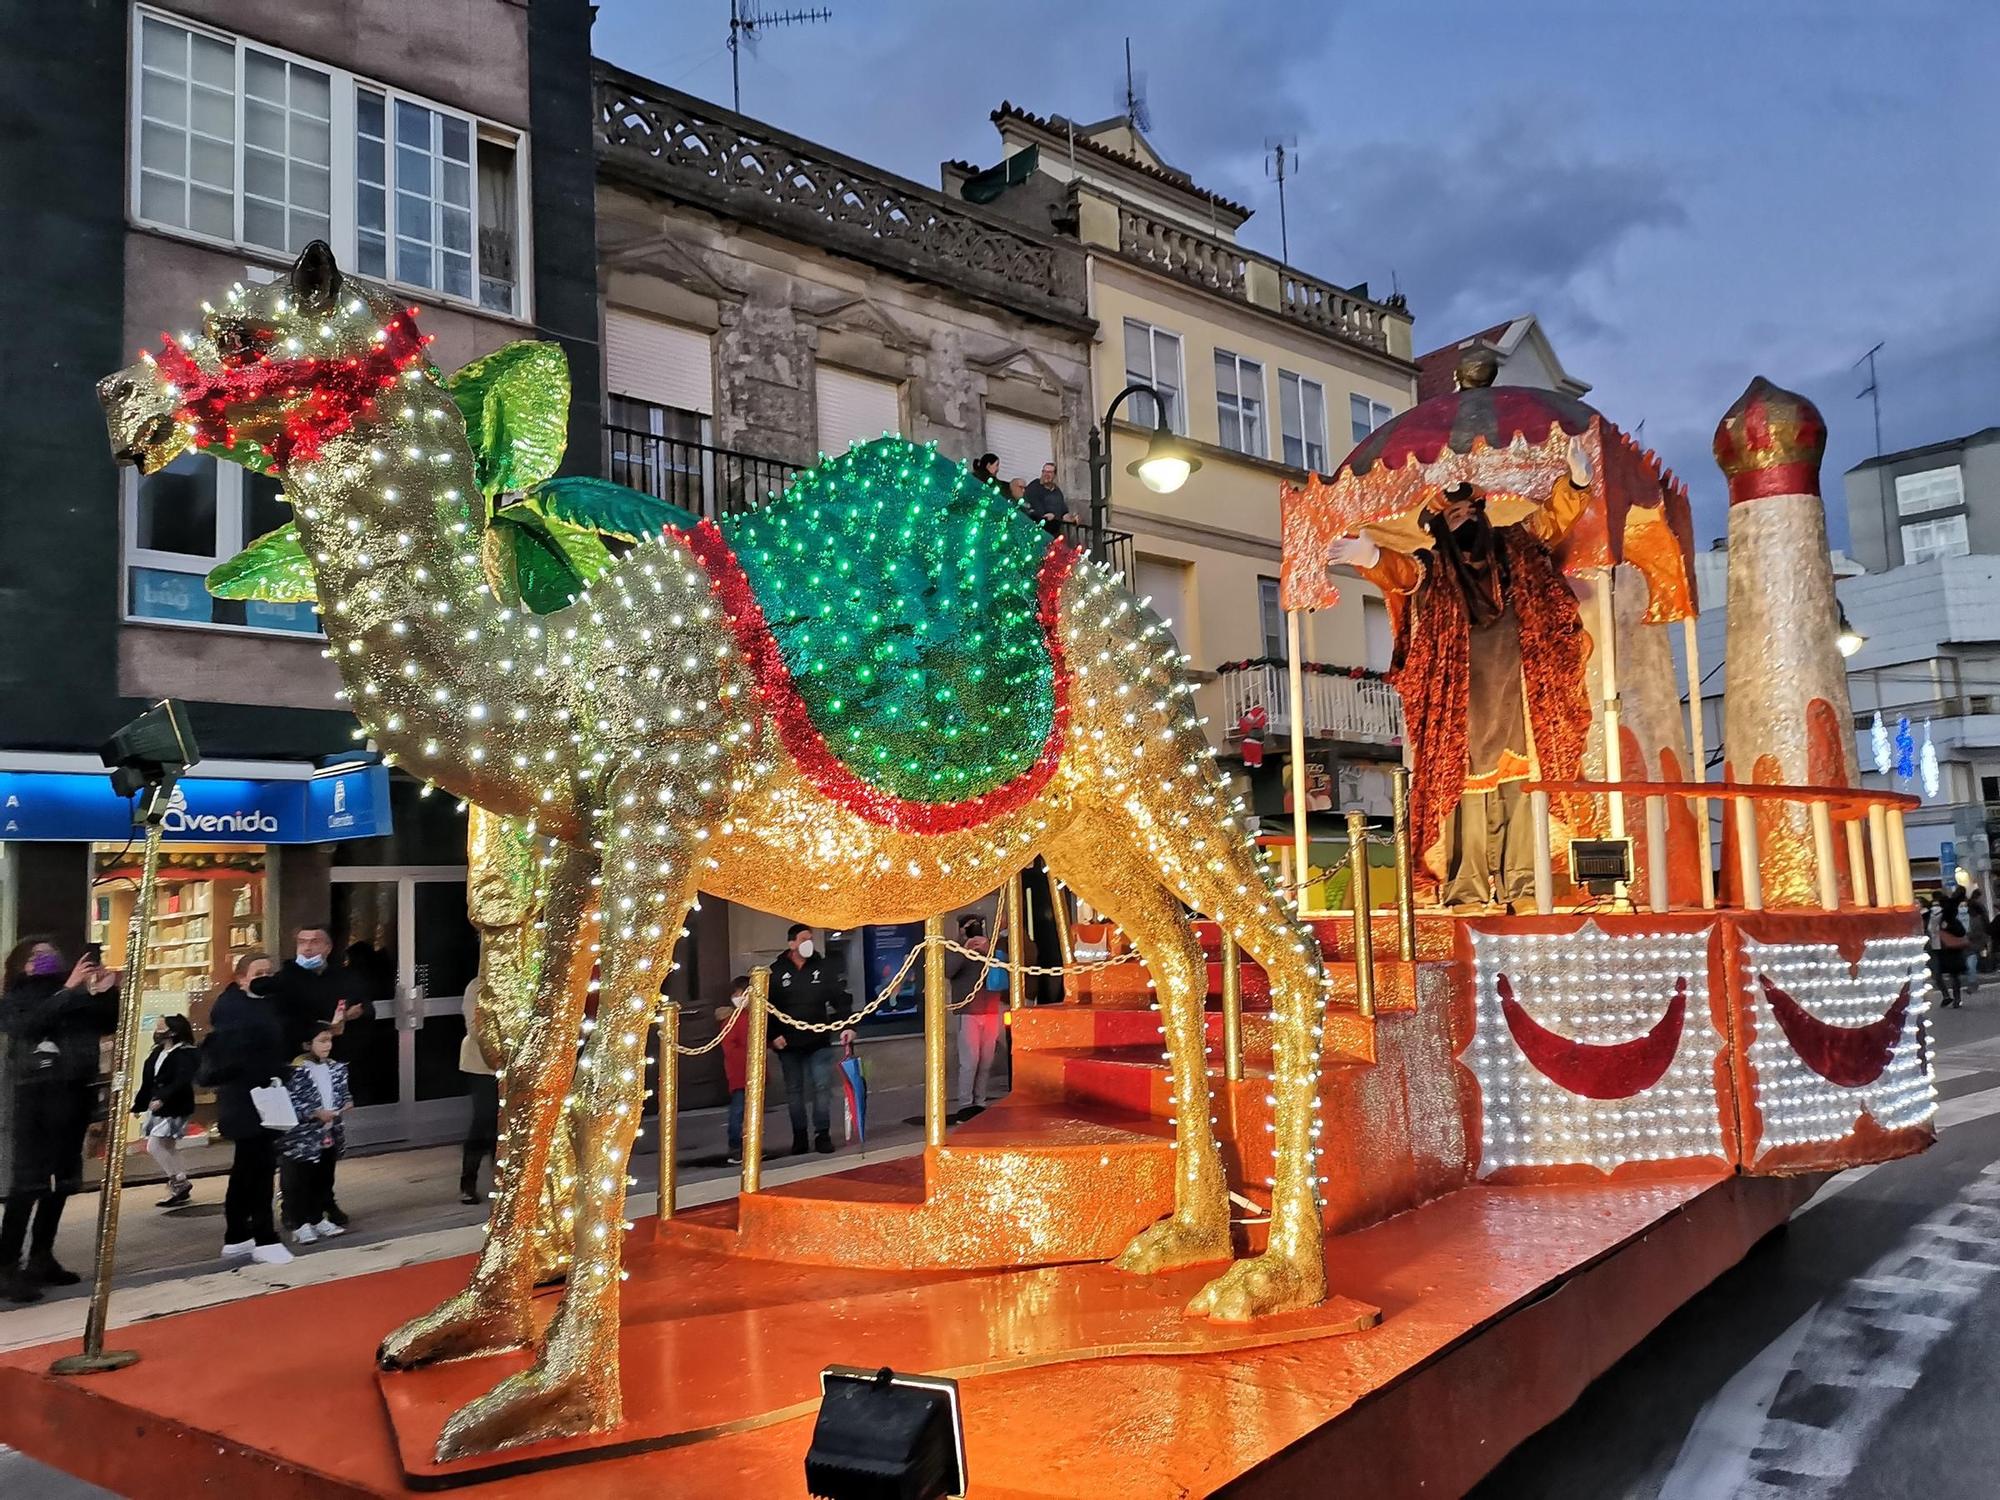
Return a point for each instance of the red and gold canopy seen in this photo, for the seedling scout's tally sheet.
(1513, 445)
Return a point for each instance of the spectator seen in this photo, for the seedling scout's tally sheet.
(311, 1149)
(1978, 936)
(165, 1101)
(978, 1017)
(1017, 491)
(1951, 948)
(53, 1026)
(806, 989)
(314, 992)
(987, 467)
(482, 1134)
(1046, 503)
(245, 1049)
(735, 1060)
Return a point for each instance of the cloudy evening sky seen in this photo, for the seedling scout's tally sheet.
(1689, 192)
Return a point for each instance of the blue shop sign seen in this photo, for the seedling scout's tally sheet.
(61, 806)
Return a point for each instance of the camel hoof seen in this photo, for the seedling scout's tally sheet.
(531, 1407)
(460, 1327)
(1173, 1243)
(1259, 1287)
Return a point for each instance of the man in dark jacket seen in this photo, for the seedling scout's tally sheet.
(311, 991)
(1046, 503)
(247, 1048)
(806, 988)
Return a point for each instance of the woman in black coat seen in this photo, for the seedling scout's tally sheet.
(52, 1026)
(246, 1049)
(165, 1101)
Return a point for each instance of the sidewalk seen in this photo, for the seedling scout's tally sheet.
(405, 1210)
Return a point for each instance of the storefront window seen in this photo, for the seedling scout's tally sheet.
(209, 913)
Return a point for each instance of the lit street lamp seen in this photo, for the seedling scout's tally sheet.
(1164, 469)
(1849, 640)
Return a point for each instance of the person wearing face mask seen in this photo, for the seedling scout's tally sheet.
(53, 1027)
(311, 990)
(165, 1101)
(246, 1049)
(807, 988)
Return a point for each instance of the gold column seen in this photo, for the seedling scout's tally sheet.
(670, 1106)
(756, 1018)
(124, 1069)
(1857, 862)
(1900, 880)
(937, 1016)
(1827, 877)
(1406, 873)
(1878, 848)
(1357, 898)
(1232, 1008)
(1017, 946)
(1065, 945)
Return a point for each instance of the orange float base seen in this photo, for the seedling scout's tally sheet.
(1498, 1305)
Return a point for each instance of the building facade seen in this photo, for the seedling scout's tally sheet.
(1940, 500)
(1265, 373)
(182, 148)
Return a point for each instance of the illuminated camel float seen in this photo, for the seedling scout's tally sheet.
(869, 701)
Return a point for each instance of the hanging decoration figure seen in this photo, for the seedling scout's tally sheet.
(871, 700)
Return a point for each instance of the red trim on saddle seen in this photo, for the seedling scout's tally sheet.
(808, 746)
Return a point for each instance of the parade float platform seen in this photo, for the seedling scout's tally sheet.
(1498, 1306)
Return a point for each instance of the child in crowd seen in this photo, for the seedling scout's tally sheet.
(735, 1060)
(166, 1099)
(311, 1149)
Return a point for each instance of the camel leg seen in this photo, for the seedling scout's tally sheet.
(1100, 862)
(492, 1312)
(573, 1387)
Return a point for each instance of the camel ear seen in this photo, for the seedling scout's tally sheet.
(315, 277)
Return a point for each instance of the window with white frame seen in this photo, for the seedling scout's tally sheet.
(1271, 619)
(1153, 357)
(251, 146)
(184, 520)
(1366, 415)
(1239, 403)
(1944, 537)
(1302, 420)
(1930, 489)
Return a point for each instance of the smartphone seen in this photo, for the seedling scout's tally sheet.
(93, 954)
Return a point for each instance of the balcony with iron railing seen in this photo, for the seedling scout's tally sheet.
(1342, 703)
(714, 483)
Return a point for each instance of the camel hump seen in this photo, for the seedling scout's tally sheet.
(913, 619)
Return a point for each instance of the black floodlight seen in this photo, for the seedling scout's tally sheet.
(149, 754)
(884, 1436)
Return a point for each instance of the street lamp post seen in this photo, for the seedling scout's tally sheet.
(1164, 469)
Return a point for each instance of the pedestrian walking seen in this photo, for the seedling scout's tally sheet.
(310, 1150)
(1978, 937)
(735, 1060)
(482, 1087)
(165, 1102)
(1952, 944)
(806, 988)
(53, 1027)
(245, 1049)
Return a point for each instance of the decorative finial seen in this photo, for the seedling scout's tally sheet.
(1770, 443)
(1476, 370)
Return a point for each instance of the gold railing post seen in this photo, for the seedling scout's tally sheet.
(1857, 861)
(1900, 880)
(670, 1107)
(1059, 905)
(1017, 947)
(1749, 861)
(95, 1358)
(937, 1016)
(1358, 899)
(757, 1056)
(1825, 873)
(1406, 871)
(1232, 1008)
(1878, 848)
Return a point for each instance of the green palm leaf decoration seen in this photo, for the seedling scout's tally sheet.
(274, 569)
(611, 509)
(516, 406)
(533, 564)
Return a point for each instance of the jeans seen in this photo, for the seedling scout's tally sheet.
(246, 1206)
(978, 1040)
(308, 1188)
(736, 1122)
(808, 1075)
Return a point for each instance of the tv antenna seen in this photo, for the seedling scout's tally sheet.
(1135, 94)
(1872, 391)
(747, 21)
(1281, 158)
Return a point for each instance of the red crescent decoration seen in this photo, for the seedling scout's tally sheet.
(1850, 1056)
(1617, 1070)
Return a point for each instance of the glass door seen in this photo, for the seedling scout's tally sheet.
(403, 935)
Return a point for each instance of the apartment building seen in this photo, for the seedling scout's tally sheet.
(163, 153)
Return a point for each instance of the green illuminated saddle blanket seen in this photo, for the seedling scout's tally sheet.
(899, 615)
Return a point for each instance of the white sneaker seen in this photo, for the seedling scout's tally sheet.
(304, 1235)
(272, 1255)
(327, 1229)
(236, 1250)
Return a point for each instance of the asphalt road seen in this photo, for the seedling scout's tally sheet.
(1851, 1356)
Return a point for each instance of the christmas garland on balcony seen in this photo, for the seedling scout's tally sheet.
(1310, 668)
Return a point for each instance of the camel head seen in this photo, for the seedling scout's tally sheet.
(276, 369)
